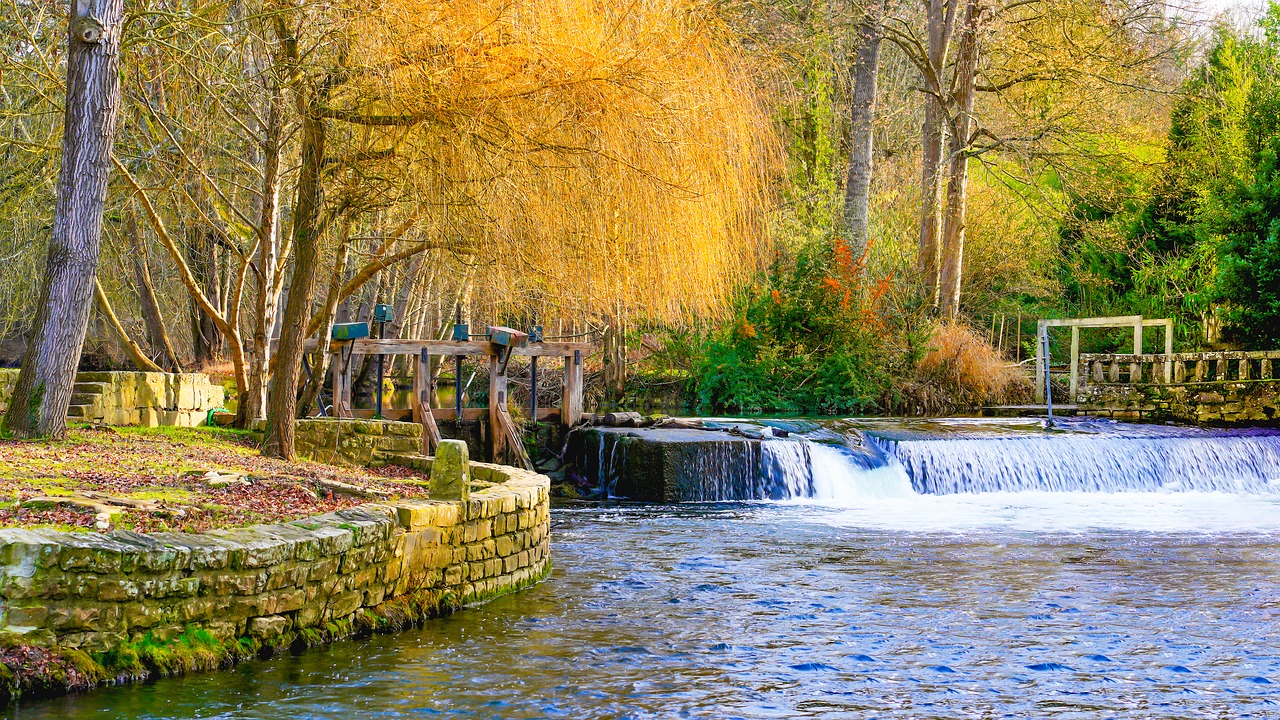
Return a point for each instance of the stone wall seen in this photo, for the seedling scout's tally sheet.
(353, 443)
(272, 584)
(8, 378)
(135, 398)
(1250, 402)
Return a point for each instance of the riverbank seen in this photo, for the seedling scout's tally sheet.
(176, 479)
(84, 609)
(1003, 605)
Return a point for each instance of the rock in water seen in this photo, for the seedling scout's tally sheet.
(451, 472)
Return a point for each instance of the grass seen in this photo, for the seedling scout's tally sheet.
(164, 467)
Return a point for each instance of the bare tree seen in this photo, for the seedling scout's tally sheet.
(42, 394)
(857, 189)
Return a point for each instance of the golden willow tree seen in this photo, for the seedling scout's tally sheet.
(579, 156)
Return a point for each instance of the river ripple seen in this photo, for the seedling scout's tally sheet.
(776, 611)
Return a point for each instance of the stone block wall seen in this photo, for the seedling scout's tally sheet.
(8, 378)
(105, 593)
(135, 398)
(352, 443)
(1249, 402)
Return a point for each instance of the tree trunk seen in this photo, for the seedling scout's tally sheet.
(966, 81)
(857, 189)
(206, 339)
(253, 406)
(139, 358)
(330, 313)
(941, 21)
(43, 391)
(282, 397)
(157, 334)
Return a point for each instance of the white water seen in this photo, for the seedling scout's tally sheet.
(1133, 479)
(1092, 463)
(838, 480)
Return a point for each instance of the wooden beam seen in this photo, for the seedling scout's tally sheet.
(497, 403)
(1042, 329)
(571, 408)
(1117, 321)
(422, 382)
(468, 414)
(1075, 361)
(449, 347)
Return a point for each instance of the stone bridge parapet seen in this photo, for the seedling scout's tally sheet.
(1217, 388)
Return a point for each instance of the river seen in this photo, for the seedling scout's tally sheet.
(1022, 605)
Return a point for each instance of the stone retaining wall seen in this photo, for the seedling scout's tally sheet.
(353, 443)
(8, 378)
(120, 593)
(135, 398)
(1208, 403)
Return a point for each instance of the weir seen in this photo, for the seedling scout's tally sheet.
(877, 460)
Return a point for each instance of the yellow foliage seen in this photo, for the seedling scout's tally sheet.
(585, 156)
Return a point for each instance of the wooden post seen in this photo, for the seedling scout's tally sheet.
(422, 393)
(341, 382)
(335, 366)
(497, 404)
(1135, 367)
(1168, 351)
(1042, 331)
(1075, 361)
(571, 409)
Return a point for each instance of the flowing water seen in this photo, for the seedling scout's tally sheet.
(886, 585)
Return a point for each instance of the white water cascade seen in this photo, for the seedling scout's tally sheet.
(1087, 458)
(1205, 462)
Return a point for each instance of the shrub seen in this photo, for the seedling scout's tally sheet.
(959, 371)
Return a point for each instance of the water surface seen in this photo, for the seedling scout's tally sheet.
(1020, 605)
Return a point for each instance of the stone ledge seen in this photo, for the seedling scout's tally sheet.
(377, 566)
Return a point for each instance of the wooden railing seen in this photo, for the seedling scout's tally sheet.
(1180, 368)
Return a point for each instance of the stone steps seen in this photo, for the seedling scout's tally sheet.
(78, 411)
(90, 388)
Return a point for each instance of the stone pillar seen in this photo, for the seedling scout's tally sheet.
(451, 472)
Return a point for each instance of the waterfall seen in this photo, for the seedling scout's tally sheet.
(858, 462)
(785, 469)
(1207, 462)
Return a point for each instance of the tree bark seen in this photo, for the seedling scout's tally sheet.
(253, 405)
(42, 393)
(206, 341)
(857, 189)
(157, 334)
(282, 396)
(940, 16)
(329, 313)
(139, 358)
(966, 81)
